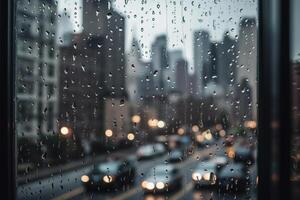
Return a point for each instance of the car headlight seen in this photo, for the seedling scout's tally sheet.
(108, 179)
(196, 176)
(160, 185)
(85, 178)
(206, 176)
(144, 184)
(148, 185)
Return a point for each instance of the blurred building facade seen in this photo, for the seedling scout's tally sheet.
(159, 63)
(247, 69)
(37, 71)
(93, 72)
(201, 58)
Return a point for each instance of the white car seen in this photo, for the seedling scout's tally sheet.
(162, 178)
(150, 150)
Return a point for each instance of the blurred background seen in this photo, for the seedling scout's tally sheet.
(137, 99)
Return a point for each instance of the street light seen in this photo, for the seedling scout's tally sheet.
(180, 131)
(130, 136)
(136, 119)
(108, 133)
(64, 130)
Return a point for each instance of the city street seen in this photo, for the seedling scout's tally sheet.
(68, 185)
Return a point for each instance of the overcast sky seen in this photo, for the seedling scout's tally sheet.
(178, 19)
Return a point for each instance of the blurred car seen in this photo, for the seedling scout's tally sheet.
(110, 175)
(162, 178)
(150, 150)
(220, 162)
(233, 178)
(244, 155)
(205, 174)
(175, 156)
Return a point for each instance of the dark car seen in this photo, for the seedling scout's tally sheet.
(233, 178)
(175, 156)
(162, 178)
(109, 176)
(244, 155)
(150, 150)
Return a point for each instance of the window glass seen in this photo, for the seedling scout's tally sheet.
(136, 99)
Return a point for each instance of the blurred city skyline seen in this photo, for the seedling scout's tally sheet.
(146, 20)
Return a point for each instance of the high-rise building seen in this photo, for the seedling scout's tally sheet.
(36, 68)
(210, 68)
(82, 69)
(93, 72)
(182, 77)
(159, 62)
(135, 72)
(227, 61)
(99, 19)
(170, 74)
(201, 57)
(247, 62)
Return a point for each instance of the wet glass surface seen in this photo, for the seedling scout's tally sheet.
(136, 99)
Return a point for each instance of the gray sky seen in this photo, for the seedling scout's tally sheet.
(178, 19)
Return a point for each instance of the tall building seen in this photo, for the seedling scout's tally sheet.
(99, 19)
(82, 69)
(210, 68)
(227, 61)
(93, 72)
(170, 75)
(37, 72)
(182, 77)
(135, 72)
(247, 62)
(201, 57)
(159, 62)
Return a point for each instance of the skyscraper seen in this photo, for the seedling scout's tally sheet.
(37, 68)
(247, 61)
(135, 72)
(170, 75)
(93, 72)
(182, 77)
(99, 19)
(201, 57)
(159, 62)
(226, 66)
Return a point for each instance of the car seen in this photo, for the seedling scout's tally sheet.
(109, 175)
(204, 174)
(233, 178)
(244, 155)
(175, 156)
(220, 162)
(162, 178)
(150, 150)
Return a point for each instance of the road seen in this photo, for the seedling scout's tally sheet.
(68, 185)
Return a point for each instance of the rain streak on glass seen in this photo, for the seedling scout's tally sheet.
(126, 99)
